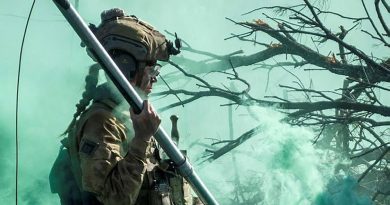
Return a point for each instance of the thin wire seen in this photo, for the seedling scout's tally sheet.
(17, 107)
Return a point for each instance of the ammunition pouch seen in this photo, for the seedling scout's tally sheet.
(161, 194)
(168, 187)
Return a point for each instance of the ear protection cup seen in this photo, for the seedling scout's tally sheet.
(126, 63)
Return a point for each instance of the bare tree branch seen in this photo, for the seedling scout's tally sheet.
(373, 164)
(384, 25)
(346, 120)
(234, 143)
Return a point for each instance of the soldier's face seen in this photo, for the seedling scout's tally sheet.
(149, 77)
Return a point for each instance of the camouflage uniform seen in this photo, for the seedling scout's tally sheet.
(113, 165)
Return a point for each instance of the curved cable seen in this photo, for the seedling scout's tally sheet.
(17, 106)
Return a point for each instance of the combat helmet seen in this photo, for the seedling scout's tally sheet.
(119, 32)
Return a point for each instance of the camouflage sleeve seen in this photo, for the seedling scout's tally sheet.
(115, 179)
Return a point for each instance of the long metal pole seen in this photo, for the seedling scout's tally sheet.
(131, 96)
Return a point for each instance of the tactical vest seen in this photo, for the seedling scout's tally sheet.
(162, 185)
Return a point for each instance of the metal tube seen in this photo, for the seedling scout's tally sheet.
(133, 98)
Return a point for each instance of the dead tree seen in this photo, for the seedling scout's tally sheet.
(348, 119)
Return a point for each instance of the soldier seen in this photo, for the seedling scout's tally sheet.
(114, 158)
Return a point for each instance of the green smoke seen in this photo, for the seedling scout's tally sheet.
(342, 191)
(281, 166)
(278, 166)
(7, 166)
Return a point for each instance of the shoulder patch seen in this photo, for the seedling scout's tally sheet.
(88, 147)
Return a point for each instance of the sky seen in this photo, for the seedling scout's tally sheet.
(52, 80)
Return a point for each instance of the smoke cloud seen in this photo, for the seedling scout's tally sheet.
(278, 166)
(281, 166)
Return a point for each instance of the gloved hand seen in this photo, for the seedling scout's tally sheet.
(145, 123)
